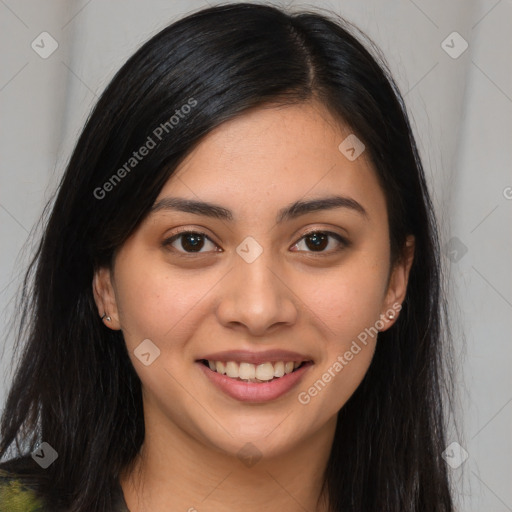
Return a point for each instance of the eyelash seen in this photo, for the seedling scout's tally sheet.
(344, 242)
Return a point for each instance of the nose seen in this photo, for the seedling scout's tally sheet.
(256, 297)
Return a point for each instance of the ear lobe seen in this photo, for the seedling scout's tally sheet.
(104, 296)
(397, 287)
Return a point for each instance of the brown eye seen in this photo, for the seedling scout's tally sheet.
(191, 242)
(318, 241)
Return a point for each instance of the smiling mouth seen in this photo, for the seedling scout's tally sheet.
(256, 373)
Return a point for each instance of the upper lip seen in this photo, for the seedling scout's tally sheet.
(246, 356)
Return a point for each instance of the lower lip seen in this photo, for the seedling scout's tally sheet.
(254, 391)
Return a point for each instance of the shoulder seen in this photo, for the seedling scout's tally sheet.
(18, 484)
(16, 495)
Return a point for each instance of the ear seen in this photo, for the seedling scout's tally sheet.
(105, 298)
(397, 286)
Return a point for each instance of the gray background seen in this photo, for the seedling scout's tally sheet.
(460, 109)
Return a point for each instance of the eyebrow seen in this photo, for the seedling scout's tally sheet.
(292, 211)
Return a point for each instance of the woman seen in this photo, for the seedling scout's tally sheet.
(236, 301)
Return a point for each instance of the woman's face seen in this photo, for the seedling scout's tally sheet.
(254, 290)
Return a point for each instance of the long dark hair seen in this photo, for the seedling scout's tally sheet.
(75, 387)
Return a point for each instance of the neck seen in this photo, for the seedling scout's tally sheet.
(177, 472)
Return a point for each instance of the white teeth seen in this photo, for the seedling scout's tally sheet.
(232, 369)
(278, 369)
(254, 373)
(265, 371)
(247, 371)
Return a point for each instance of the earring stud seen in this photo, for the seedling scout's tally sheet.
(108, 318)
(391, 315)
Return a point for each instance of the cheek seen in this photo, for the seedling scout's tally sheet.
(345, 307)
(156, 303)
(347, 300)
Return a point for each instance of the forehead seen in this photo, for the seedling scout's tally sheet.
(274, 155)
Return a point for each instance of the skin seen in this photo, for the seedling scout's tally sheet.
(291, 297)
